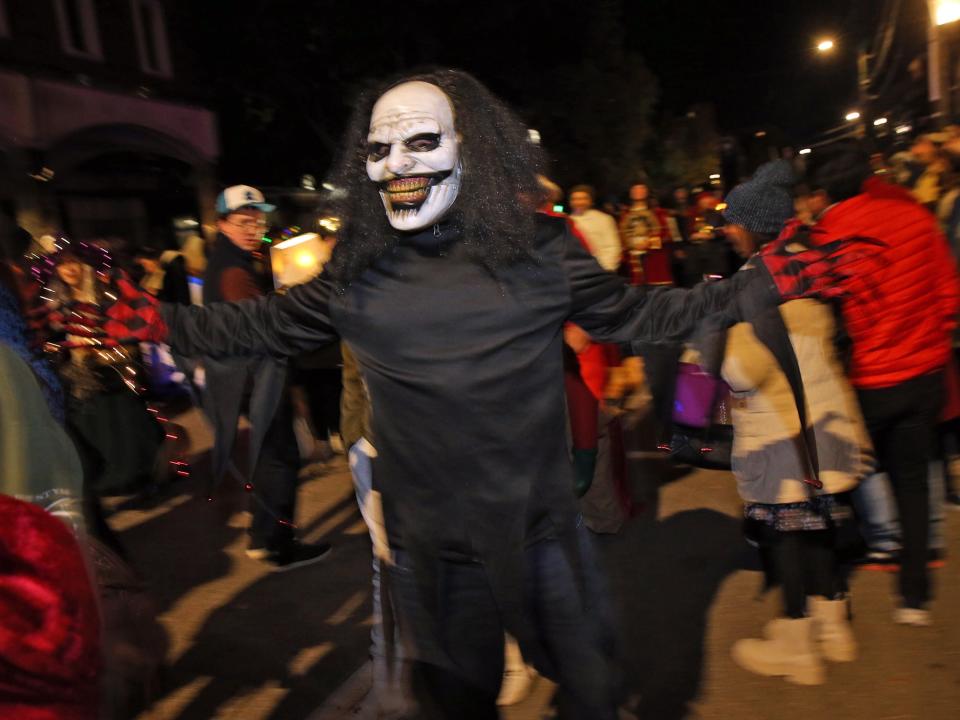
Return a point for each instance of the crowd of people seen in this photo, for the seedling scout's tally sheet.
(653, 243)
(803, 324)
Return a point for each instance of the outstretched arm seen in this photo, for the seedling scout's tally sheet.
(278, 325)
(611, 311)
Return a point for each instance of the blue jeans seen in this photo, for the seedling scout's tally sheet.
(875, 507)
(879, 522)
(459, 650)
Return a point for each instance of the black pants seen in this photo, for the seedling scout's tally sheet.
(901, 421)
(275, 483)
(807, 565)
(458, 655)
(323, 394)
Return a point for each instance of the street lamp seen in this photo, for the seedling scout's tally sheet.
(863, 84)
(941, 41)
(851, 116)
(806, 151)
(879, 121)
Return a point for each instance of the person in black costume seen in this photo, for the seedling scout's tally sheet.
(454, 300)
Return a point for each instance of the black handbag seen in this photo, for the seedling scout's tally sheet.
(701, 432)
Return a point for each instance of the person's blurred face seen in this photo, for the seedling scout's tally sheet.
(740, 239)
(681, 195)
(580, 202)
(639, 193)
(70, 271)
(244, 228)
(817, 202)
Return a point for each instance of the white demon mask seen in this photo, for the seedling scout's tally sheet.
(413, 154)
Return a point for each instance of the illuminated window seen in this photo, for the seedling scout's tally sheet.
(79, 35)
(150, 27)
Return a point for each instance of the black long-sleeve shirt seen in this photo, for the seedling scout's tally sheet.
(465, 374)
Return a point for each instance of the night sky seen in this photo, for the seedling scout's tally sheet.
(757, 60)
(594, 77)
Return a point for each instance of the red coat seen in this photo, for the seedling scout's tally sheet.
(901, 324)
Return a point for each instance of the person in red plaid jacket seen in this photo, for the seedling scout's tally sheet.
(88, 327)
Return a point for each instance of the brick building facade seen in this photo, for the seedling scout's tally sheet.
(103, 129)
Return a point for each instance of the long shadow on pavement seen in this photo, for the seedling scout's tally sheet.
(287, 641)
(283, 640)
(664, 576)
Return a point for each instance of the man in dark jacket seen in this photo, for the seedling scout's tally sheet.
(231, 276)
(900, 325)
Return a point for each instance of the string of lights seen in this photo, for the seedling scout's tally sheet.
(81, 322)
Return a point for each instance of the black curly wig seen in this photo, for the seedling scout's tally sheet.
(498, 192)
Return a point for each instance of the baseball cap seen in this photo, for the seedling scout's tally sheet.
(241, 196)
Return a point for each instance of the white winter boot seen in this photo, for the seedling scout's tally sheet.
(789, 652)
(832, 627)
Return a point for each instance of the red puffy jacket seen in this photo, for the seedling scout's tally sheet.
(901, 325)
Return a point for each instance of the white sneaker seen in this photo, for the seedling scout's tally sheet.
(918, 617)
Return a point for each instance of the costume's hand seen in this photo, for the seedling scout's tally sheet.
(802, 264)
(133, 315)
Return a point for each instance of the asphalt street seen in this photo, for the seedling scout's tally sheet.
(248, 644)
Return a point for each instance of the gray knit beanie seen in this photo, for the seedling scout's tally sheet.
(764, 203)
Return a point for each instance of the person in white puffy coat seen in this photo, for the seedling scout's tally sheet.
(772, 460)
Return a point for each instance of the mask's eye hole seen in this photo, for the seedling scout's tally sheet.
(424, 142)
(377, 151)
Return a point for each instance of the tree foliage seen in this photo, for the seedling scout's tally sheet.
(690, 150)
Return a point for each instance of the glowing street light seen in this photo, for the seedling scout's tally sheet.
(945, 11)
(903, 129)
(806, 151)
(880, 121)
(826, 45)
